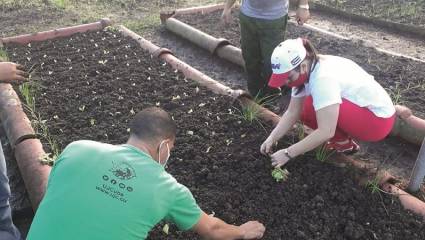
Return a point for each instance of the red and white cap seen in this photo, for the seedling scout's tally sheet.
(285, 57)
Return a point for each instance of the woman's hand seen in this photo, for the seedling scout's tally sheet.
(267, 146)
(279, 158)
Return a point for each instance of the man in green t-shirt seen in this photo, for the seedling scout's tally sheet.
(103, 191)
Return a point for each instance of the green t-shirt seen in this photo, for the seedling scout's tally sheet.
(103, 191)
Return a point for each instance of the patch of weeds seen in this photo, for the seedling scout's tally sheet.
(322, 153)
(62, 4)
(141, 26)
(112, 29)
(27, 91)
(280, 175)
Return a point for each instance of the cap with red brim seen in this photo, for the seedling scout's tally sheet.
(277, 80)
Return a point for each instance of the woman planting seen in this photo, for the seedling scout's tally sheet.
(330, 94)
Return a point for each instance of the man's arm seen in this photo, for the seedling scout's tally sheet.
(211, 227)
(226, 16)
(303, 12)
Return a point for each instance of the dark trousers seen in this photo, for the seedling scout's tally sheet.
(8, 231)
(259, 37)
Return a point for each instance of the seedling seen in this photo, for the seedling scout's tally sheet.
(166, 228)
(373, 185)
(3, 55)
(323, 154)
(250, 112)
(279, 174)
(92, 121)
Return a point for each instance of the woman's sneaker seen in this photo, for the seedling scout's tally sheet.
(348, 147)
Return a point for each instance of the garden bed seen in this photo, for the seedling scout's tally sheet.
(403, 78)
(91, 84)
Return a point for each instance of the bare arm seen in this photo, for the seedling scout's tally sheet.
(226, 16)
(288, 119)
(210, 227)
(327, 119)
(302, 14)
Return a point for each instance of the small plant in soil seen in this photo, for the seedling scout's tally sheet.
(279, 174)
(3, 55)
(250, 112)
(373, 185)
(322, 153)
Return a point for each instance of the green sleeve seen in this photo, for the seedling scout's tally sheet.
(184, 211)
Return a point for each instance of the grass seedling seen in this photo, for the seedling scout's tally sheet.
(3, 55)
(395, 94)
(279, 174)
(27, 91)
(373, 185)
(322, 153)
(250, 112)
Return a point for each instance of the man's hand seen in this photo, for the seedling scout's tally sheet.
(302, 15)
(252, 230)
(12, 73)
(226, 16)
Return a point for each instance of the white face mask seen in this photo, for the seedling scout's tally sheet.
(159, 153)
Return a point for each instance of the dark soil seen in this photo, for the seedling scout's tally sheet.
(404, 80)
(401, 11)
(217, 152)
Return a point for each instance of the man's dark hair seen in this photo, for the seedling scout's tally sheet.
(152, 124)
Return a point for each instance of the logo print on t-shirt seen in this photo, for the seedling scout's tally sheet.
(123, 171)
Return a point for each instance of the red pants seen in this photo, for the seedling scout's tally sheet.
(353, 121)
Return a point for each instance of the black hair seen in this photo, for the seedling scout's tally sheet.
(153, 124)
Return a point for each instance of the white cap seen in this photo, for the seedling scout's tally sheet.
(286, 56)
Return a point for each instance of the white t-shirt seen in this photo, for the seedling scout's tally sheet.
(336, 78)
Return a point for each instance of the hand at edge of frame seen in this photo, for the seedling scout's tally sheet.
(252, 230)
(226, 17)
(302, 15)
(12, 73)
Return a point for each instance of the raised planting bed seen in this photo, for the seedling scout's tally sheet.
(90, 85)
(403, 78)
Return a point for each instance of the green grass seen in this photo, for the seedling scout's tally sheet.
(28, 91)
(322, 153)
(3, 55)
(60, 3)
